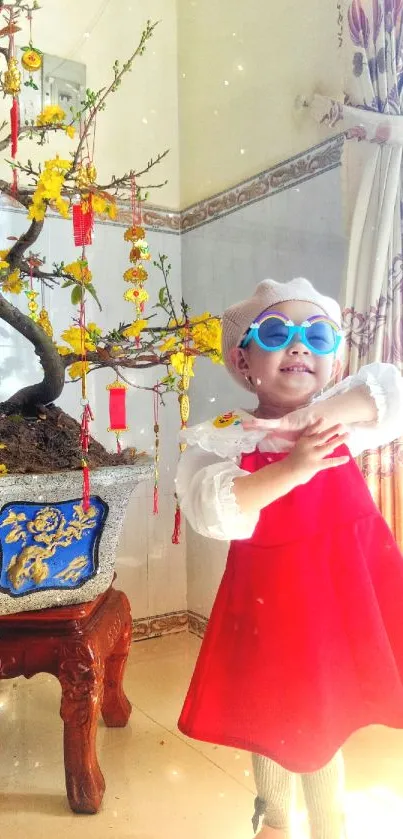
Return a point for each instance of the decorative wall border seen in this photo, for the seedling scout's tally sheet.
(168, 624)
(156, 625)
(197, 624)
(285, 175)
(302, 167)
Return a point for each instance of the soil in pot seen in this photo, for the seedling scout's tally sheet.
(50, 442)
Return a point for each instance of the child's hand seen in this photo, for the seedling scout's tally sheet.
(310, 454)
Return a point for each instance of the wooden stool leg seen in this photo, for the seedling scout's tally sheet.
(116, 708)
(81, 675)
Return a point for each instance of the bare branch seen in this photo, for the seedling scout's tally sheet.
(49, 278)
(128, 177)
(146, 34)
(25, 241)
(22, 196)
(30, 130)
(141, 362)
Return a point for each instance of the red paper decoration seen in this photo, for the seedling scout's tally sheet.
(83, 222)
(15, 127)
(117, 409)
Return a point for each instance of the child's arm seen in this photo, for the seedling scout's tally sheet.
(222, 501)
(204, 486)
(351, 407)
(369, 403)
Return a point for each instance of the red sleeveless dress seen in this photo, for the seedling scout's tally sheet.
(305, 641)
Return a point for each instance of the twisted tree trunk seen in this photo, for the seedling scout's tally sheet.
(29, 398)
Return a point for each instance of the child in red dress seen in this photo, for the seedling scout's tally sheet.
(305, 641)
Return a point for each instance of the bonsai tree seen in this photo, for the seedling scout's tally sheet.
(34, 434)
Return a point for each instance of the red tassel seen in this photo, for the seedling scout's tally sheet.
(177, 528)
(82, 225)
(15, 125)
(86, 486)
(156, 502)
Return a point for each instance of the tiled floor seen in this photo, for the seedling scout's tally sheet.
(159, 784)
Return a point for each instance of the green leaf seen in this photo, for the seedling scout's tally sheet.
(76, 295)
(67, 283)
(93, 293)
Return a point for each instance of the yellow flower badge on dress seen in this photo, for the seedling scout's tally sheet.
(225, 420)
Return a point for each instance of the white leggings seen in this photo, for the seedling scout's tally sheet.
(323, 791)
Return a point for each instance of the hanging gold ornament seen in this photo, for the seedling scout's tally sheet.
(31, 59)
(44, 322)
(11, 82)
(184, 405)
(32, 304)
(86, 176)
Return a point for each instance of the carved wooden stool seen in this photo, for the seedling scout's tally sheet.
(86, 648)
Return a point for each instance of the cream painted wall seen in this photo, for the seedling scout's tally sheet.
(142, 118)
(269, 53)
(176, 97)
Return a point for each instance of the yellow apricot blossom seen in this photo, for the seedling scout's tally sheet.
(50, 115)
(49, 188)
(182, 364)
(207, 335)
(101, 205)
(13, 284)
(79, 270)
(74, 336)
(169, 344)
(77, 369)
(133, 331)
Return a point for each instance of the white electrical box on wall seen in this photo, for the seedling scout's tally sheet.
(59, 82)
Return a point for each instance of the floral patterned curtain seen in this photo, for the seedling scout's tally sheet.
(371, 118)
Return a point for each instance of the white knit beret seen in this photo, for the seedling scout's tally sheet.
(238, 318)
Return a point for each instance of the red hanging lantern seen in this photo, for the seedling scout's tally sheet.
(83, 222)
(117, 409)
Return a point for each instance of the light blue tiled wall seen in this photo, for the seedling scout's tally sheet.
(297, 232)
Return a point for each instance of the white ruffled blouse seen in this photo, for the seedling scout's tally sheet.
(210, 463)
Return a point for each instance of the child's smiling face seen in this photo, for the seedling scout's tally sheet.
(287, 378)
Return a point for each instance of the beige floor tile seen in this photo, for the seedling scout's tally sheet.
(160, 784)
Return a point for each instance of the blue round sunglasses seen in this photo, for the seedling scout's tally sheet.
(274, 331)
